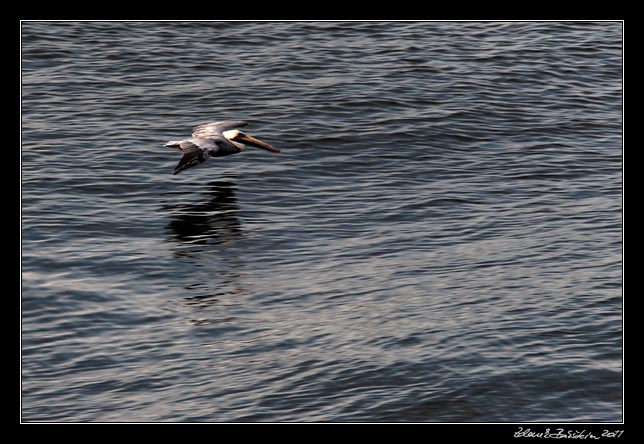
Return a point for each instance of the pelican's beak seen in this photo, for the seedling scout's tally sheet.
(256, 143)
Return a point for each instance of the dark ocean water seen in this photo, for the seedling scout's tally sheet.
(440, 239)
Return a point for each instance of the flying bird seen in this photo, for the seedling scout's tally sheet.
(215, 139)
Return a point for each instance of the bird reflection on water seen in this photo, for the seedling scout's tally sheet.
(210, 222)
(204, 234)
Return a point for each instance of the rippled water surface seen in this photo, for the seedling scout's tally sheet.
(440, 239)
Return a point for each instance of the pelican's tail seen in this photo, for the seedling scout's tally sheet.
(174, 144)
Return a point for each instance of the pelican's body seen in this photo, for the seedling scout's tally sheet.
(215, 139)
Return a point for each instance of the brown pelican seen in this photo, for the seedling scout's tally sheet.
(215, 139)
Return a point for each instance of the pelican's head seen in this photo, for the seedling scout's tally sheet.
(240, 140)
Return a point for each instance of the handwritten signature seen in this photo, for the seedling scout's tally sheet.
(566, 434)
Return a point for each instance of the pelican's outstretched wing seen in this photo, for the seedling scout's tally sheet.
(192, 156)
(215, 128)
